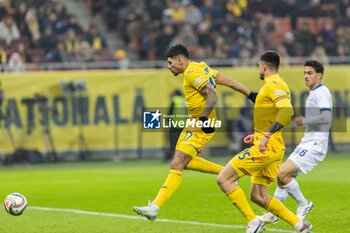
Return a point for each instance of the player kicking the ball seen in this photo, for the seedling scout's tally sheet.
(199, 88)
(313, 146)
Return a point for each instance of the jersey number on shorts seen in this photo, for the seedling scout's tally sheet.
(188, 135)
(243, 154)
(302, 153)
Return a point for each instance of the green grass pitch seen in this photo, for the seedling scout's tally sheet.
(111, 187)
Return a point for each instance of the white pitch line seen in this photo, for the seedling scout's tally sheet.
(142, 218)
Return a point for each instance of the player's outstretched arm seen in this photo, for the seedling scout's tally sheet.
(325, 117)
(226, 81)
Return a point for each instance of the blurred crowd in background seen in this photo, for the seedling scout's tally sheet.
(233, 28)
(44, 31)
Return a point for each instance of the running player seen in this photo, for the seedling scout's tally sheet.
(199, 88)
(272, 111)
(313, 146)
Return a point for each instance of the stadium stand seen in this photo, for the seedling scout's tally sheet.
(37, 29)
(269, 20)
(212, 29)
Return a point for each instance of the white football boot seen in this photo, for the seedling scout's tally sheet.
(302, 211)
(150, 211)
(256, 227)
(268, 218)
(305, 228)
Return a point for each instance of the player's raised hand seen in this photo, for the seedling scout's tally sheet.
(299, 120)
(249, 139)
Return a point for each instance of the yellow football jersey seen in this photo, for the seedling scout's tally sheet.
(265, 110)
(196, 76)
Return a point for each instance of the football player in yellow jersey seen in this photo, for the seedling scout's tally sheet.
(272, 111)
(199, 88)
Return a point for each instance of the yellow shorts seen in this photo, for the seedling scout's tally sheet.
(192, 142)
(262, 167)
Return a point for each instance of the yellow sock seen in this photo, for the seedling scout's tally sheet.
(170, 185)
(239, 200)
(277, 208)
(200, 164)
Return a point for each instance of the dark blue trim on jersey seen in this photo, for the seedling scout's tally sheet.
(319, 85)
(325, 109)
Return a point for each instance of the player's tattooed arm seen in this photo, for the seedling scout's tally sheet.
(212, 97)
(226, 81)
(274, 128)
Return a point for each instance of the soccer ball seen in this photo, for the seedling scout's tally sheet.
(15, 204)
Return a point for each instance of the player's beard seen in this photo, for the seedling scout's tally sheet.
(262, 75)
(174, 72)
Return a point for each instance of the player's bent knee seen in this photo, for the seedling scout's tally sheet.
(220, 179)
(257, 198)
(178, 165)
(224, 181)
(180, 161)
(283, 178)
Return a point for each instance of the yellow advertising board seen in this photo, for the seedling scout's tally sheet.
(105, 106)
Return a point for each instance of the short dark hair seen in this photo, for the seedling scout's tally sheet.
(271, 58)
(316, 65)
(176, 50)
